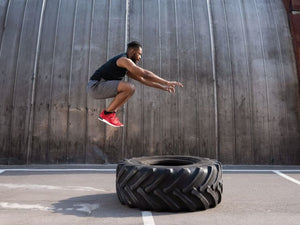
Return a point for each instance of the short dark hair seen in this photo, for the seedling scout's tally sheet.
(134, 44)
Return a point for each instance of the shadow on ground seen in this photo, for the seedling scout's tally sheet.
(101, 205)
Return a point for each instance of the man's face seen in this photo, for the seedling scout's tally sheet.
(137, 55)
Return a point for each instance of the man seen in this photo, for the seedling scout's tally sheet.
(107, 82)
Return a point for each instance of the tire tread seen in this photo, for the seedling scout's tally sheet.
(167, 189)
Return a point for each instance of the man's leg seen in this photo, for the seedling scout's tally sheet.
(125, 91)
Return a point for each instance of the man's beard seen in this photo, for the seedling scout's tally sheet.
(133, 59)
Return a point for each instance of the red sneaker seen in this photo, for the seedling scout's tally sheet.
(111, 119)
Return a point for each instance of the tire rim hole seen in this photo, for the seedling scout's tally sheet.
(169, 162)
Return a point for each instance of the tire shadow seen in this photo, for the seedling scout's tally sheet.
(100, 205)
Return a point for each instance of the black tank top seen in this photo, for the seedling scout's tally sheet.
(110, 70)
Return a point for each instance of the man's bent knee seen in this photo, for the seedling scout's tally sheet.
(132, 89)
(126, 87)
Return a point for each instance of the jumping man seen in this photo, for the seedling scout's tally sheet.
(107, 82)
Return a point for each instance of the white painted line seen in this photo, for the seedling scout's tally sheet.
(114, 170)
(147, 218)
(49, 187)
(286, 177)
(6, 205)
(270, 170)
(58, 170)
(84, 207)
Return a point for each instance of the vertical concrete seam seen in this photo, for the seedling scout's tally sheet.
(4, 24)
(33, 87)
(282, 77)
(88, 75)
(233, 95)
(198, 131)
(107, 57)
(51, 81)
(213, 59)
(127, 23)
(266, 78)
(161, 134)
(70, 82)
(249, 77)
(178, 78)
(127, 9)
(6, 14)
(15, 78)
(143, 90)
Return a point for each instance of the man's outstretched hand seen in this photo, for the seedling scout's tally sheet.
(171, 86)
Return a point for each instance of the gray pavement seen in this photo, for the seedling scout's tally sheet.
(85, 194)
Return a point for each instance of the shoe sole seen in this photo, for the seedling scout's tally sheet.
(105, 121)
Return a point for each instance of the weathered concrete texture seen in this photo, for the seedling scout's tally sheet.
(239, 104)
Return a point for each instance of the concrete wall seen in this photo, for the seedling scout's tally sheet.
(239, 104)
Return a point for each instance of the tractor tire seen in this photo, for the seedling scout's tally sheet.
(169, 183)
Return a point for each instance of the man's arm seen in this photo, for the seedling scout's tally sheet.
(149, 83)
(147, 77)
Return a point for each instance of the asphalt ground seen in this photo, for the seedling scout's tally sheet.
(85, 194)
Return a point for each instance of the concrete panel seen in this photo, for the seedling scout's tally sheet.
(60, 82)
(77, 114)
(95, 152)
(44, 84)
